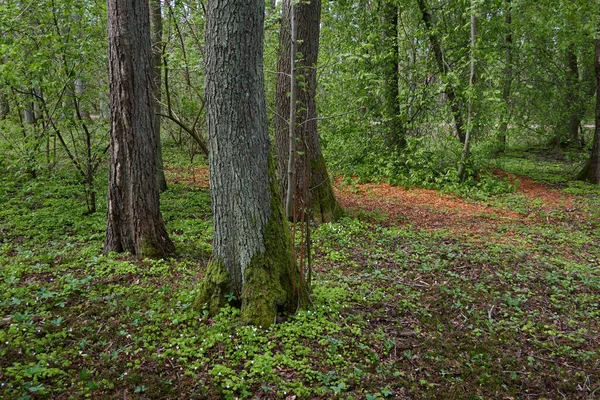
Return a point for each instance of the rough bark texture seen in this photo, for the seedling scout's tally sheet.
(438, 53)
(311, 170)
(508, 73)
(591, 170)
(251, 246)
(157, 45)
(134, 220)
(395, 135)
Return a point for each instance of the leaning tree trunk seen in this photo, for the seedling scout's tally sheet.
(157, 47)
(591, 170)
(251, 246)
(311, 170)
(436, 44)
(134, 220)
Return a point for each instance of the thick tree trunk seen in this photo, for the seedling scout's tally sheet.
(395, 135)
(508, 72)
(251, 246)
(438, 53)
(591, 170)
(157, 47)
(311, 170)
(134, 220)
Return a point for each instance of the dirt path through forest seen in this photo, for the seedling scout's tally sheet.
(425, 208)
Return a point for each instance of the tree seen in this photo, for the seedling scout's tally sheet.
(157, 53)
(591, 170)
(438, 52)
(252, 259)
(395, 135)
(134, 220)
(312, 189)
(508, 75)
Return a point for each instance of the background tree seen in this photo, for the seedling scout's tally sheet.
(591, 170)
(157, 55)
(134, 220)
(251, 246)
(313, 188)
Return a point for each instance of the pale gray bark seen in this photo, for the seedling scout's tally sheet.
(242, 179)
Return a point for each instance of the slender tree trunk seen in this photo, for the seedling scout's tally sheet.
(134, 220)
(467, 143)
(438, 53)
(573, 99)
(395, 137)
(591, 170)
(157, 48)
(251, 247)
(321, 201)
(508, 72)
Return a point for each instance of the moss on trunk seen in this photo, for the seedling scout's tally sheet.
(213, 288)
(267, 283)
(324, 207)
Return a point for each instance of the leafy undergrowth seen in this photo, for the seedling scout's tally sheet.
(413, 298)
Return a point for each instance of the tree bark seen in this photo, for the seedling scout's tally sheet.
(573, 98)
(395, 135)
(157, 50)
(438, 53)
(508, 72)
(591, 170)
(311, 170)
(251, 247)
(467, 144)
(134, 220)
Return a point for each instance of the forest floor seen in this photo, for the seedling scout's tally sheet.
(416, 295)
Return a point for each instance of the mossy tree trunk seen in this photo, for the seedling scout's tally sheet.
(134, 220)
(591, 170)
(251, 247)
(311, 170)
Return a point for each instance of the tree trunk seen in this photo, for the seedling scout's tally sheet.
(395, 135)
(251, 247)
(508, 53)
(591, 170)
(157, 48)
(438, 53)
(467, 144)
(311, 170)
(134, 220)
(573, 99)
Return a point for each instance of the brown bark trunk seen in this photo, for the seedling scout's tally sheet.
(591, 171)
(311, 170)
(157, 31)
(134, 220)
(436, 45)
(251, 246)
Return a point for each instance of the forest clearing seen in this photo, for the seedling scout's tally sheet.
(279, 199)
(416, 294)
